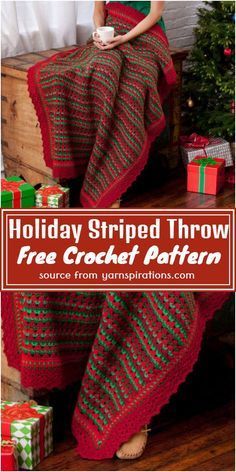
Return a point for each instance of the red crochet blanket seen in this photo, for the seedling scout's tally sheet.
(100, 110)
(131, 351)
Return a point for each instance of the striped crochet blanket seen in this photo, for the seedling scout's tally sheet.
(99, 111)
(131, 351)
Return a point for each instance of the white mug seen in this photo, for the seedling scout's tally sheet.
(105, 33)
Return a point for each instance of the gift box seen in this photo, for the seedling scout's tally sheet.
(195, 145)
(16, 193)
(205, 175)
(30, 426)
(52, 196)
(9, 459)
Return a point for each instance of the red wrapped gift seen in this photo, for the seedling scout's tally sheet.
(206, 175)
(9, 459)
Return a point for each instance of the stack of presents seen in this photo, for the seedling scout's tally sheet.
(204, 158)
(16, 193)
(27, 436)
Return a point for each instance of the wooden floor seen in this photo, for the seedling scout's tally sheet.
(171, 193)
(202, 442)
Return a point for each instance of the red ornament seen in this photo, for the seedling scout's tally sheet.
(227, 52)
(232, 107)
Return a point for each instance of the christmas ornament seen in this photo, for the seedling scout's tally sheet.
(227, 52)
(190, 102)
(232, 107)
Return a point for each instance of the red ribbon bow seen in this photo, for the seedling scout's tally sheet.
(52, 190)
(21, 411)
(13, 186)
(194, 141)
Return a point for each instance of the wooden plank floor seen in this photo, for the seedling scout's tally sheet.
(202, 442)
(172, 193)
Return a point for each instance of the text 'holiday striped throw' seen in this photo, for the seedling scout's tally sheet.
(99, 111)
(131, 351)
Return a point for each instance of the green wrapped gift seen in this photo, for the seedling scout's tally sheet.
(52, 196)
(16, 193)
(30, 425)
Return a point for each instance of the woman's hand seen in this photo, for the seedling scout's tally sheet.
(96, 40)
(113, 43)
(144, 25)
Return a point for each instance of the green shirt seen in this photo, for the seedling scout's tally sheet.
(144, 7)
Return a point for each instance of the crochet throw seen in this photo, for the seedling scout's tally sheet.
(130, 350)
(99, 111)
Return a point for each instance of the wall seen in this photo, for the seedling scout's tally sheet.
(180, 18)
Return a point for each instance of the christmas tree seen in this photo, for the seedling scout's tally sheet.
(209, 88)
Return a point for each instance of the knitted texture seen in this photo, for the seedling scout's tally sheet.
(100, 110)
(131, 351)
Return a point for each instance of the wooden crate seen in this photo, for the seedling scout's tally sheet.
(11, 389)
(21, 137)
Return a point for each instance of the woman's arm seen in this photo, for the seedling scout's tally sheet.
(98, 14)
(150, 20)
